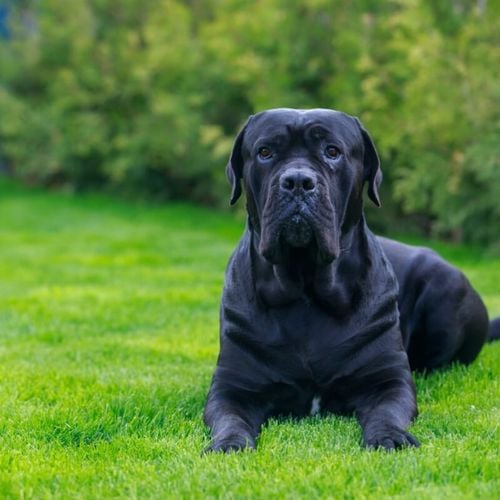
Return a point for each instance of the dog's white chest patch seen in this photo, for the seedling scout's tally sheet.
(315, 405)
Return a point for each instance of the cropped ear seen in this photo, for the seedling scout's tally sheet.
(234, 168)
(371, 163)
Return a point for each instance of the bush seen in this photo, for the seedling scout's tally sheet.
(145, 97)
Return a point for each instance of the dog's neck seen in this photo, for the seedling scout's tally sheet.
(302, 276)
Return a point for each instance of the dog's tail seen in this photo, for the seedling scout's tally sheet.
(494, 333)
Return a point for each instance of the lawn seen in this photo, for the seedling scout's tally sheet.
(108, 339)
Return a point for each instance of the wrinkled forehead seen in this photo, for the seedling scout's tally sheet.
(288, 122)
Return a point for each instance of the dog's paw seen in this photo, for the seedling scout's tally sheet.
(231, 444)
(390, 438)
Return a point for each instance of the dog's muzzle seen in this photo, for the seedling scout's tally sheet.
(298, 186)
(297, 231)
(298, 214)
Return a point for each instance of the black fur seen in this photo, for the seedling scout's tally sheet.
(310, 302)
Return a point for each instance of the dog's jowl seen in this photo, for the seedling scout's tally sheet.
(318, 314)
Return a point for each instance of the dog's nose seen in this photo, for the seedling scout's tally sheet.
(297, 180)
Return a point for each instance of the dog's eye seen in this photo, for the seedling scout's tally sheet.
(265, 153)
(332, 152)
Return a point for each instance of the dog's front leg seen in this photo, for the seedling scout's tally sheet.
(234, 426)
(385, 411)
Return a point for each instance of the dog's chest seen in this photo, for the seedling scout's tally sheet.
(315, 405)
(314, 337)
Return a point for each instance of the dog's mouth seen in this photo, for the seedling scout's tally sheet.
(297, 231)
(301, 227)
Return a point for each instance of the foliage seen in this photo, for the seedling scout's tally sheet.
(145, 97)
(108, 330)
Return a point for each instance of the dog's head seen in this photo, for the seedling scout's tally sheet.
(303, 173)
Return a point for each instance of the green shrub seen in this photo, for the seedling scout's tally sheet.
(145, 97)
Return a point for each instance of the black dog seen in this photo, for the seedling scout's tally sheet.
(309, 316)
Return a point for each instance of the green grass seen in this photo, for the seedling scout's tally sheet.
(108, 339)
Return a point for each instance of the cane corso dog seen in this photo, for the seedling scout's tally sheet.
(312, 317)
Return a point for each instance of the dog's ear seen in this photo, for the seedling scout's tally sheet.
(371, 162)
(234, 168)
